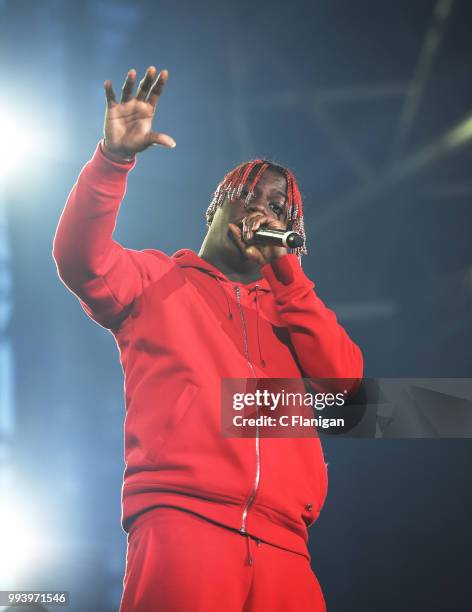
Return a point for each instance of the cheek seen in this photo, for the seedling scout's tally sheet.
(235, 209)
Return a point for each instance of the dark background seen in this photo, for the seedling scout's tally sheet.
(368, 103)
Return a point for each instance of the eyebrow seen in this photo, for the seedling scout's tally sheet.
(277, 191)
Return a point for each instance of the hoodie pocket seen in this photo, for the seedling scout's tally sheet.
(171, 425)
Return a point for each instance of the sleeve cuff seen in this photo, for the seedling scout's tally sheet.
(106, 166)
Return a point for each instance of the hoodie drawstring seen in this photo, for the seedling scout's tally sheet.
(249, 554)
(250, 558)
(228, 304)
(263, 363)
(230, 315)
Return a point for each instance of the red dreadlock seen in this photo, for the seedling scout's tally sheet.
(232, 185)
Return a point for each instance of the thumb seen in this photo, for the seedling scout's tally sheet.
(155, 138)
(253, 253)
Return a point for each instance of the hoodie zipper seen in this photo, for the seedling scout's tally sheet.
(243, 323)
(257, 439)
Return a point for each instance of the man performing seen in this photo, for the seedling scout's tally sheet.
(214, 523)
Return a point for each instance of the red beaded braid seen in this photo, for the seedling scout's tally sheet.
(232, 185)
(254, 182)
(249, 168)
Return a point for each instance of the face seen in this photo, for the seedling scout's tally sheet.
(270, 198)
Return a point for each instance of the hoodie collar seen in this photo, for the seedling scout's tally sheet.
(186, 258)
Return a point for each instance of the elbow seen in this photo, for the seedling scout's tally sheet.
(349, 370)
(356, 369)
(66, 262)
(56, 252)
(59, 256)
(357, 362)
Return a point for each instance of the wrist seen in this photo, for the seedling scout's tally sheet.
(275, 254)
(116, 156)
(285, 270)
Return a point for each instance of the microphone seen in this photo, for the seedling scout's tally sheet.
(286, 238)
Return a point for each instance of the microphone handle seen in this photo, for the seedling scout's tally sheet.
(285, 238)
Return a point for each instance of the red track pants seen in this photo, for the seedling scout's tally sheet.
(180, 562)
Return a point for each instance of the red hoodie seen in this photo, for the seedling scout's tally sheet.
(181, 326)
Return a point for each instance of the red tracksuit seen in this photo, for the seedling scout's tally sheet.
(181, 326)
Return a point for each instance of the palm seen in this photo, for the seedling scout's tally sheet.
(128, 124)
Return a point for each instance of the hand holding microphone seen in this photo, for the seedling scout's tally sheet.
(263, 239)
(276, 237)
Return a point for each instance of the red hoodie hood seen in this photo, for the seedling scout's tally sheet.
(256, 292)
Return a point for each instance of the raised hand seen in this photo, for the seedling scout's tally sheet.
(128, 123)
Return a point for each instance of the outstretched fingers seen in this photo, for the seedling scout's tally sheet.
(128, 86)
(109, 94)
(146, 83)
(157, 88)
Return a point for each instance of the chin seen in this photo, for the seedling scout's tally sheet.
(230, 252)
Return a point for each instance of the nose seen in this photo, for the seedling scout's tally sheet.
(257, 205)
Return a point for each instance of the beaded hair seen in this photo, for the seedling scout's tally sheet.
(233, 183)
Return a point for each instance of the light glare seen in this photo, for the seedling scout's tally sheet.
(17, 143)
(19, 544)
